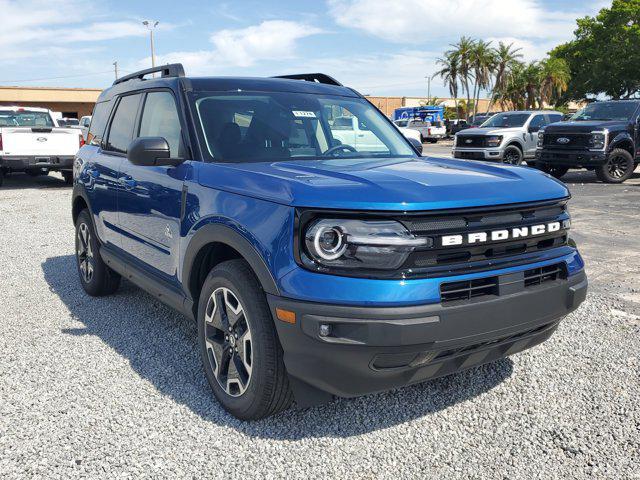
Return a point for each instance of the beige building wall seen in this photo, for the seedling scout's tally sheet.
(72, 101)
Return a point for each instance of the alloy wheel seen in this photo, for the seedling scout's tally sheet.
(228, 340)
(512, 157)
(85, 253)
(617, 167)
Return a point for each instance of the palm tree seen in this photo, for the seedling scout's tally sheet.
(450, 64)
(464, 51)
(531, 76)
(554, 79)
(506, 58)
(482, 63)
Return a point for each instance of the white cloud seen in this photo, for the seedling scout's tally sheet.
(418, 21)
(272, 40)
(37, 28)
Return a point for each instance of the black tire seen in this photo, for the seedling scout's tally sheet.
(557, 171)
(258, 391)
(619, 167)
(68, 177)
(512, 155)
(96, 277)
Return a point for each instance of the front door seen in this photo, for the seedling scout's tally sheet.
(150, 201)
(531, 135)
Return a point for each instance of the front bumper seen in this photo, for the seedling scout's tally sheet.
(376, 349)
(20, 163)
(575, 158)
(485, 154)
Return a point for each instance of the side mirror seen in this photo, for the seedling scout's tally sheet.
(151, 152)
(417, 146)
(534, 129)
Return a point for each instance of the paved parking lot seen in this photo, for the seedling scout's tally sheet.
(113, 387)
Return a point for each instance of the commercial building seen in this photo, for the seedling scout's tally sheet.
(72, 102)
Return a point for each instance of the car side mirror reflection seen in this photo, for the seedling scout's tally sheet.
(417, 145)
(151, 152)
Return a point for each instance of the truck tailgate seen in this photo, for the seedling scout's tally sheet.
(40, 141)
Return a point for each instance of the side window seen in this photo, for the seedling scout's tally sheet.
(537, 122)
(98, 122)
(121, 131)
(160, 119)
(555, 118)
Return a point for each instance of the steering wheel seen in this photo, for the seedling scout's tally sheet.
(337, 148)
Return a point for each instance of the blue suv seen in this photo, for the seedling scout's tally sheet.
(318, 252)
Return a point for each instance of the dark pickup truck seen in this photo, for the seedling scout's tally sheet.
(603, 136)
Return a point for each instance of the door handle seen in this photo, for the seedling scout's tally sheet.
(129, 182)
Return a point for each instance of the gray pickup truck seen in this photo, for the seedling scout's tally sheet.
(508, 137)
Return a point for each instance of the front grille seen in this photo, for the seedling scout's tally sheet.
(470, 155)
(464, 291)
(470, 141)
(576, 141)
(480, 256)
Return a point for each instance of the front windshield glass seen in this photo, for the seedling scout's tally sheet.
(506, 120)
(606, 111)
(272, 126)
(23, 118)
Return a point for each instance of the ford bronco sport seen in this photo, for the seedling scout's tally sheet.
(314, 267)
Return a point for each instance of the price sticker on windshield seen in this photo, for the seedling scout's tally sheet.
(303, 114)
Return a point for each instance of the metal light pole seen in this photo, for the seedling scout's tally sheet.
(115, 67)
(428, 77)
(151, 25)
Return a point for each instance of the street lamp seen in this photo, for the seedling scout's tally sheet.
(151, 25)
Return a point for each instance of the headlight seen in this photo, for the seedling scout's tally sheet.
(359, 244)
(494, 141)
(597, 140)
(540, 139)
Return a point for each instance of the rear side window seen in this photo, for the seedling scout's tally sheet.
(121, 131)
(98, 122)
(160, 119)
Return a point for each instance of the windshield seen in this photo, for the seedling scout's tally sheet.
(507, 120)
(606, 111)
(72, 121)
(25, 118)
(254, 127)
(479, 120)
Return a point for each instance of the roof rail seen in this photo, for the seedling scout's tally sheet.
(169, 70)
(312, 77)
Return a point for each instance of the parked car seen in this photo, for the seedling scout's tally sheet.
(68, 122)
(509, 137)
(455, 125)
(477, 120)
(314, 265)
(31, 142)
(412, 135)
(85, 122)
(603, 136)
(429, 131)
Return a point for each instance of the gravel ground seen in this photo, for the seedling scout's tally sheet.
(113, 387)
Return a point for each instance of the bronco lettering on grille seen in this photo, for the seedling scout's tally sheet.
(499, 235)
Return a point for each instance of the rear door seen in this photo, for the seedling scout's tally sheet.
(150, 201)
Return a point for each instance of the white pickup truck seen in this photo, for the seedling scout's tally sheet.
(31, 142)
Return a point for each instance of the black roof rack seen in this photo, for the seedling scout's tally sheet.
(169, 70)
(312, 77)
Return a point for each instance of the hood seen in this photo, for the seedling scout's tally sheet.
(397, 184)
(491, 131)
(584, 127)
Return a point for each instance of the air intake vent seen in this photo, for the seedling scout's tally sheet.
(538, 276)
(466, 290)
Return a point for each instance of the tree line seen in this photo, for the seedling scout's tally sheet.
(472, 66)
(603, 60)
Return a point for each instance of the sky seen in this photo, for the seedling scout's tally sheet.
(379, 47)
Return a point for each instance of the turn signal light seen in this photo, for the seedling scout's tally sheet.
(286, 316)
